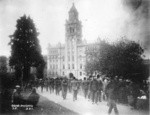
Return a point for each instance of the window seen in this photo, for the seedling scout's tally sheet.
(80, 66)
(63, 66)
(72, 66)
(68, 58)
(63, 73)
(80, 73)
(56, 66)
(68, 66)
(71, 30)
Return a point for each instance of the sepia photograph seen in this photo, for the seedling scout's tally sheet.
(74, 57)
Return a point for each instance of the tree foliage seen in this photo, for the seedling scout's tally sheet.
(92, 58)
(40, 71)
(25, 47)
(120, 59)
(3, 64)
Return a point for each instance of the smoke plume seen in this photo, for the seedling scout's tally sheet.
(138, 28)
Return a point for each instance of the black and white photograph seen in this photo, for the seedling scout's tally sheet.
(74, 57)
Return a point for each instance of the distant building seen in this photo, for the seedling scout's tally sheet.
(70, 57)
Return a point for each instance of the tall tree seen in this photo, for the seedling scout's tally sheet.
(129, 61)
(3, 64)
(25, 47)
(120, 59)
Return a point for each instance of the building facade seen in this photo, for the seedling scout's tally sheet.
(70, 57)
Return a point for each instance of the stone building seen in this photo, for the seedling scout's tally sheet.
(70, 57)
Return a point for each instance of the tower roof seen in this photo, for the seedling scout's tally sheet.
(73, 9)
(73, 13)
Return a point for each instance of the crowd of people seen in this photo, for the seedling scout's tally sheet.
(93, 88)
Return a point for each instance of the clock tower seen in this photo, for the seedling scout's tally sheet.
(73, 39)
(73, 26)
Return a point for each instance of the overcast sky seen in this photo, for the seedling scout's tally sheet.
(108, 19)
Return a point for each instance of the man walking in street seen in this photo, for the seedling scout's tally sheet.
(57, 85)
(94, 89)
(99, 90)
(89, 88)
(112, 93)
(69, 85)
(75, 88)
(64, 88)
(85, 87)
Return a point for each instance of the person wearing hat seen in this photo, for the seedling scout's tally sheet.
(16, 96)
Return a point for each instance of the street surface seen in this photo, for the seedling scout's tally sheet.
(85, 107)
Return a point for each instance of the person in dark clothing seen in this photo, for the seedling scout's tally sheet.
(134, 92)
(57, 85)
(64, 88)
(112, 92)
(69, 85)
(89, 89)
(53, 84)
(99, 91)
(85, 85)
(94, 89)
(75, 86)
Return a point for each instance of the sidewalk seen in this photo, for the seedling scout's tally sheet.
(85, 107)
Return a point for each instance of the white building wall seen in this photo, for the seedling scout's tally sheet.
(74, 46)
